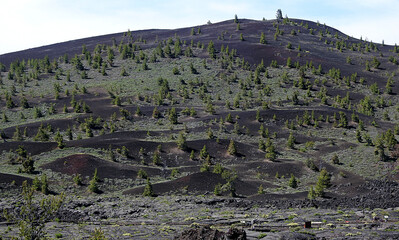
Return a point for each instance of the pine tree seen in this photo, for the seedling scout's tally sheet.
(376, 63)
(258, 118)
(77, 179)
(264, 132)
(289, 62)
(192, 155)
(236, 129)
(9, 102)
(27, 165)
(69, 133)
(44, 187)
(155, 113)
(210, 108)
(177, 48)
(93, 186)
(144, 65)
(95, 175)
(389, 139)
(261, 190)
(181, 141)
(17, 134)
(33, 214)
(232, 150)
(218, 169)
(311, 194)
(293, 183)
(379, 148)
(36, 184)
(335, 159)
(65, 109)
(193, 70)
(148, 192)
(173, 116)
(125, 151)
(89, 132)
(24, 102)
(84, 75)
(174, 173)
(175, 71)
(291, 141)
(138, 111)
(211, 50)
(142, 174)
(270, 150)
(59, 139)
(262, 38)
(203, 153)
(217, 190)
(25, 134)
(156, 158)
(279, 14)
(21, 151)
(323, 182)
(343, 121)
(84, 49)
(229, 118)
(41, 135)
(37, 113)
(209, 132)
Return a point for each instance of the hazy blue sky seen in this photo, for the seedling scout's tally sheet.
(32, 23)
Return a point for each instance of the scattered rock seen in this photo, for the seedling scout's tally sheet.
(236, 234)
(207, 233)
(201, 233)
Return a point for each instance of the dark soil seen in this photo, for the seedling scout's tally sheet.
(7, 179)
(85, 165)
(360, 181)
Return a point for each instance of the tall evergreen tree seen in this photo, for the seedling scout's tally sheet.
(211, 49)
(323, 182)
(204, 153)
(148, 192)
(232, 149)
(279, 14)
(181, 141)
(173, 115)
(156, 158)
(28, 165)
(293, 183)
(262, 38)
(291, 141)
(93, 185)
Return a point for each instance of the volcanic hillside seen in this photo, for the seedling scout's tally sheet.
(256, 109)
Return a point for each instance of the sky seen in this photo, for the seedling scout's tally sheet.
(33, 23)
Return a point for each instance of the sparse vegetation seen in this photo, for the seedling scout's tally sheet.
(201, 110)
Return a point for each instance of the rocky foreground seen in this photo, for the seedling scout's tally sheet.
(209, 217)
